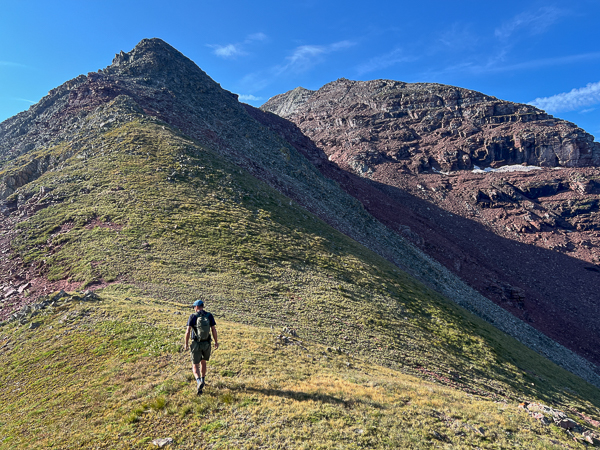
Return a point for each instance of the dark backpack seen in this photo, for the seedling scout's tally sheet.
(202, 328)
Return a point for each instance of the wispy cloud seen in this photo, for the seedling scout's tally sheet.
(18, 99)
(570, 101)
(249, 98)
(547, 62)
(535, 22)
(305, 57)
(237, 49)
(257, 81)
(227, 51)
(300, 60)
(11, 64)
(498, 64)
(458, 37)
(256, 37)
(392, 58)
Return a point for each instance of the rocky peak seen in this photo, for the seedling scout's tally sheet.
(149, 52)
(153, 75)
(150, 49)
(427, 126)
(155, 61)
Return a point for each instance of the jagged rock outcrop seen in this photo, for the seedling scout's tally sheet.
(425, 126)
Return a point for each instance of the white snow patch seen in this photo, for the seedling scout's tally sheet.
(513, 168)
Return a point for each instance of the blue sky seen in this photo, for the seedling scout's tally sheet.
(524, 51)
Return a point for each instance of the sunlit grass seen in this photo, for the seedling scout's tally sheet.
(260, 392)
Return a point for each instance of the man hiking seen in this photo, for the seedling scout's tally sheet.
(200, 325)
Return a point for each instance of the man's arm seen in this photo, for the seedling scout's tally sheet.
(187, 337)
(214, 333)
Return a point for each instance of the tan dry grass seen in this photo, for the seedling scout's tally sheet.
(89, 387)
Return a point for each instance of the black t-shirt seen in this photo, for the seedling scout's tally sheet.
(193, 318)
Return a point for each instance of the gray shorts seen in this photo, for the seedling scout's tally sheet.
(200, 351)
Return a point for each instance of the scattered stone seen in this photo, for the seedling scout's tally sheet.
(477, 430)
(90, 296)
(34, 325)
(439, 436)
(60, 295)
(163, 442)
(290, 331)
(591, 437)
(546, 415)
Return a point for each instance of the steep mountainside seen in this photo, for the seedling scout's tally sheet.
(149, 183)
(526, 239)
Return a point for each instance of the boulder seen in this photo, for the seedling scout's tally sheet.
(566, 423)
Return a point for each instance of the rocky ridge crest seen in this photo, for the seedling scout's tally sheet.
(425, 126)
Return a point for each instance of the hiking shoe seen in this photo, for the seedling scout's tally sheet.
(200, 387)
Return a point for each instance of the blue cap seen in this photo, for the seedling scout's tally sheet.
(198, 303)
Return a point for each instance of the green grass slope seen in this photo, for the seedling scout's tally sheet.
(110, 374)
(160, 218)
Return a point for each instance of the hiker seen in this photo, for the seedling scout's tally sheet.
(200, 325)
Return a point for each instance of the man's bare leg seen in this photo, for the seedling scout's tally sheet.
(196, 370)
(203, 374)
(199, 378)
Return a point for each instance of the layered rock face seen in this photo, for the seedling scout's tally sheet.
(526, 239)
(424, 126)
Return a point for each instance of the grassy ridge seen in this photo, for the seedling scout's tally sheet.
(147, 209)
(111, 375)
